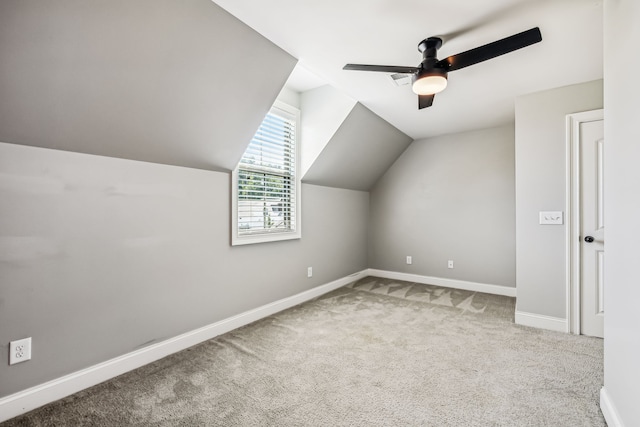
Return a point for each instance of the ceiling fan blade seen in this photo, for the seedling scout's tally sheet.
(491, 50)
(425, 101)
(382, 68)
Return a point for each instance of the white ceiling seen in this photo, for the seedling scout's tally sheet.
(325, 35)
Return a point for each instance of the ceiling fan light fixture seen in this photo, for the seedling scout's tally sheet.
(429, 84)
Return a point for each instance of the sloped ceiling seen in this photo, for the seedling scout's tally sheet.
(162, 81)
(325, 35)
(359, 153)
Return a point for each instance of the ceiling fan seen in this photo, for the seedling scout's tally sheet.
(430, 77)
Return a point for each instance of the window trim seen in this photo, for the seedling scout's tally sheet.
(273, 236)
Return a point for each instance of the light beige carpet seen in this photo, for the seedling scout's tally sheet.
(376, 353)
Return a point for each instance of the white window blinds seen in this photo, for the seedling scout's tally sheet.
(267, 185)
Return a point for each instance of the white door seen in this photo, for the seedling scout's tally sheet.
(592, 228)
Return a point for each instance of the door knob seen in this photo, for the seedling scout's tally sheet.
(589, 239)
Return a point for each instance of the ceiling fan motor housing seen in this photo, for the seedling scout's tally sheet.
(430, 78)
(427, 72)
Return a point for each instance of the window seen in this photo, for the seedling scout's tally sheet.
(266, 186)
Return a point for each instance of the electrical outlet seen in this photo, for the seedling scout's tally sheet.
(19, 351)
(309, 271)
(450, 263)
(409, 259)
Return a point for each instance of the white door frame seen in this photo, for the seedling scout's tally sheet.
(573, 255)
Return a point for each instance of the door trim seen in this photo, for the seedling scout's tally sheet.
(572, 230)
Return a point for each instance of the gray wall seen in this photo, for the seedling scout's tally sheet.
(102, 256)
(541, 186)
(622, 211)
(358, 153)
(163, 81)
(449, 197)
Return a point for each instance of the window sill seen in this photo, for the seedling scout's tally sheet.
(264, 238)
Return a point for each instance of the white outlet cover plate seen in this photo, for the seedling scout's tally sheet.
(551, 217)
(19, 351)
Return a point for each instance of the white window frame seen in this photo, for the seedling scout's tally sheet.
(276, 234)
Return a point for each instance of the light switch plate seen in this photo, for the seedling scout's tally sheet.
(551, 217)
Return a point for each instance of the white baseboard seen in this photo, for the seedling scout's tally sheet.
(447, 283)
(34, 397)
(609, 410)
(541, 321)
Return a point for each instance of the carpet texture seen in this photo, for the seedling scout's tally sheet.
(375, 353)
